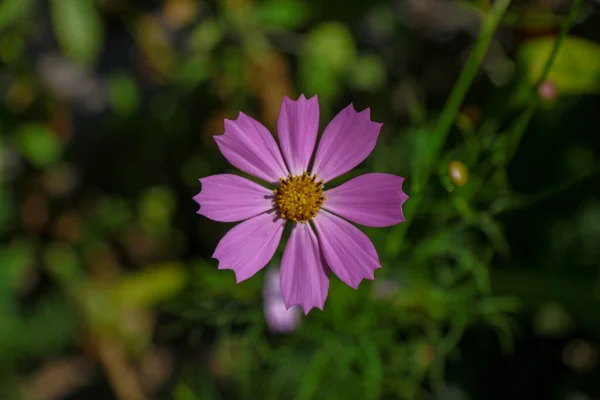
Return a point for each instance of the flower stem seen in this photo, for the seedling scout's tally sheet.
(533, 99)
(452, 106)
(564, 29)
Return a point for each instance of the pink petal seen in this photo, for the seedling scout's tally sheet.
(370, 200)
(249, 146)
(297, 127)
(348, 252)
(304, 274)
(231, 198)
(280, 318)
(348, 139)
(250, 245)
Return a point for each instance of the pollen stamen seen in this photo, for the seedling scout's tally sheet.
(299, 197)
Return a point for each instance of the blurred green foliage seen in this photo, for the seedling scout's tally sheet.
(78, 28)
(107, 288)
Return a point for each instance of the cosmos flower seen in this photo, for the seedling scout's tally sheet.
(279, 318)
(321, 239)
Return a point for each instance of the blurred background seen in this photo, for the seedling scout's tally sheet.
(490, 290)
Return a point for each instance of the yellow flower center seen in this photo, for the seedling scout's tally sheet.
(299, 197)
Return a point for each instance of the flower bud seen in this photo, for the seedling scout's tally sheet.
(458, 172)
(279, 318)
(547, 91)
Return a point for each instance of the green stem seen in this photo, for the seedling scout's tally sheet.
(452, 107)
(564, 29)
(534, 100)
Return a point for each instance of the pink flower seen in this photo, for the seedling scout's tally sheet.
(547, 90)
(372, 200)
(279, 318)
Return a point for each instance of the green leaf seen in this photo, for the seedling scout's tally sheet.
(12, 11)
(422, 157)
(123, 94)
(492, 229)
(368, 73)
(78, 29)
(575, 68)
(38, 144)
(44, 331)
(11, 48)
(314, 373)
(498, 304)
(63, 263)
(151, 286)
(111, 214)
(330, 45)
(15, 259)
(193, 71)
(372, 369)
(329, 51)
(505, 328)
(283, 14)
(206, 35)
(156, 208)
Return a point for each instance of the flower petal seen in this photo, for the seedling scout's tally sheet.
(297, 128)
(250, 147)
(348, 139)
(231, 198)
(348, 252)
(250, 245)
(304, 274)
(370, 200)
